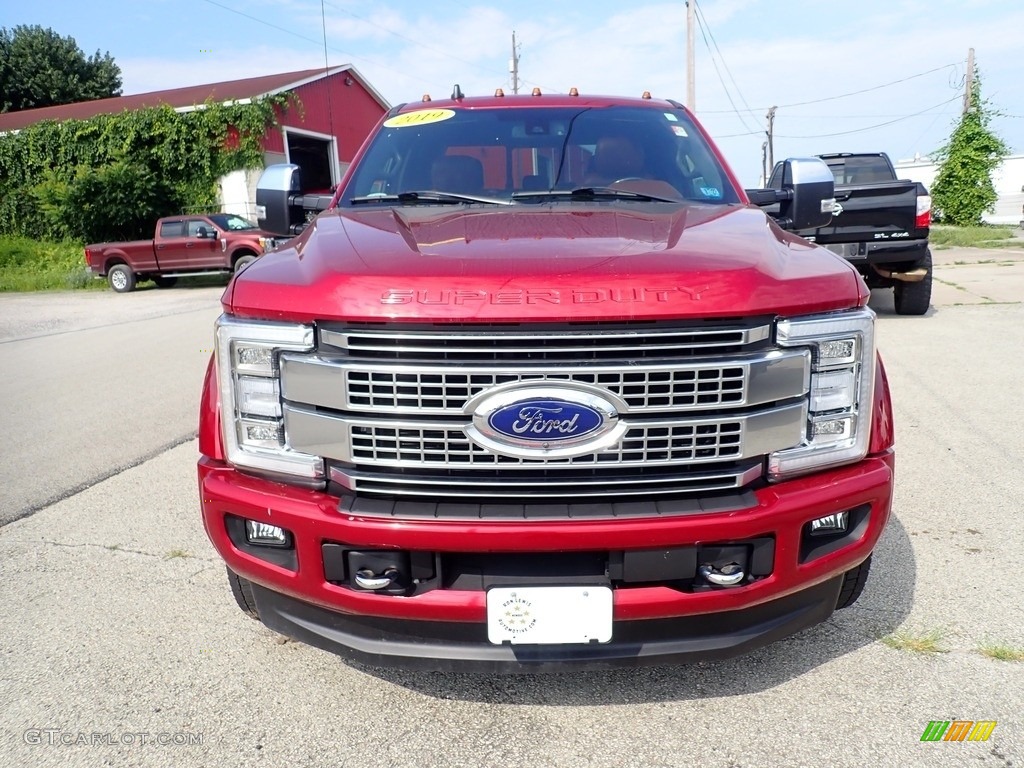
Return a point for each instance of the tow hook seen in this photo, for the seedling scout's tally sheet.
(728, 576)
(367, 579)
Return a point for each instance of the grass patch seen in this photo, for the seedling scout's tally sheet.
(175, 553)
(927, 642)
(973, 237)
(35, 265)
(1001, 652)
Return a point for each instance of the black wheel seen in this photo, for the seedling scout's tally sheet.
(242, 590)
(164, 282)
(243, 262)
(853, 584)
(915, 298)
(121, 278)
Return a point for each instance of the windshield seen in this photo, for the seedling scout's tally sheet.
(535, 154)
(228, 221)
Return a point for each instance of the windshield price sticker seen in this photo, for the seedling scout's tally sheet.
(420, 117)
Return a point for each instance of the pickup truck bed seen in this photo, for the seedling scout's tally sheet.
(880, 224)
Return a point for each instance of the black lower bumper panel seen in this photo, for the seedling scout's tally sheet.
(461, 647)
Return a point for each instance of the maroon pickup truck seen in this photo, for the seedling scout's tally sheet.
(215, 243)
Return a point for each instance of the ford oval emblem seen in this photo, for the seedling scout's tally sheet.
(540, 420)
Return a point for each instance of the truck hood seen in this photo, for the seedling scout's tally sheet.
(585, 261)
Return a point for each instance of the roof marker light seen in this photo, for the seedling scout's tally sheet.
(574, 92)
(426, 97)
(536, 91)
(647, 95)
(498, 93)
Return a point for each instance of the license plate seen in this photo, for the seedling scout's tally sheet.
(549, 615)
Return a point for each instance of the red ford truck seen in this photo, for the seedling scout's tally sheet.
(215, 243)
(541, 387)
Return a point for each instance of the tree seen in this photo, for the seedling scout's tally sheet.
(39, 68)
(963, 189)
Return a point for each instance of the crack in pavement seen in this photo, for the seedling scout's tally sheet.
(118, 548)
(96, 479)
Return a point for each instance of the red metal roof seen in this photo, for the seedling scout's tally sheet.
(230, 90)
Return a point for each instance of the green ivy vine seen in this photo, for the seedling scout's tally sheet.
(111, 176)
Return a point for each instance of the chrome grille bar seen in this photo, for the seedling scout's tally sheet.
(490, 344)
(360, 481)
(693, 385)
(666, 442)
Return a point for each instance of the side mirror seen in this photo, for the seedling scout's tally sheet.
(276, 185)
(281, 208)
(203, 233)
(805, 197)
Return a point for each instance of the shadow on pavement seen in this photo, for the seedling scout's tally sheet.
(885, 604)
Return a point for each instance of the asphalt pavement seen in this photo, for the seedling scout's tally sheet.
(121, 644)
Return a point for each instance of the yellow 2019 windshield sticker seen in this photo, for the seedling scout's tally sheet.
(419, 117)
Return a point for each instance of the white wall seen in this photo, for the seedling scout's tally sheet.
(1008, 180)
(238, 192)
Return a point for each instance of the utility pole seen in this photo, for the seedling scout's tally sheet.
(969, 84)
(513, 64)
(771, 141)
(691, 88)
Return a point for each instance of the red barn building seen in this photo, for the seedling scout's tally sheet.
(339, 107)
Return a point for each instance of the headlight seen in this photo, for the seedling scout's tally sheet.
(842, 387)
(250, 395)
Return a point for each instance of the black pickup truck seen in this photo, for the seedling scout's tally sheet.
(880, 224)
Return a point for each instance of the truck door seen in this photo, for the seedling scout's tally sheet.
(171, 254)
(202, 246)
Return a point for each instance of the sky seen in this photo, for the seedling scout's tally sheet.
(865, 76)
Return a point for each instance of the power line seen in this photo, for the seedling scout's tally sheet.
(418, 43)
(846, 133)
(702, 22)
(314, 41)
(878, 125)
(851, 93)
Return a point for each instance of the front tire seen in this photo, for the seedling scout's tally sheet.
(241, 589)
(914, 298)
(121, 278)
(853, 584)
(243, 262)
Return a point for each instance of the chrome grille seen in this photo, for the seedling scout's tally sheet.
(386, 406)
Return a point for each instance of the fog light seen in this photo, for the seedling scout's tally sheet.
(834, 523)
(265, 534)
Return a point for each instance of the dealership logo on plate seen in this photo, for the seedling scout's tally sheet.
(517, 615)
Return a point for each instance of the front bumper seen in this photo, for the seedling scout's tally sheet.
(445, 628)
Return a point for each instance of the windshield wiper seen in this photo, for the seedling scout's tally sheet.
(427, 196)
(594, 193)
